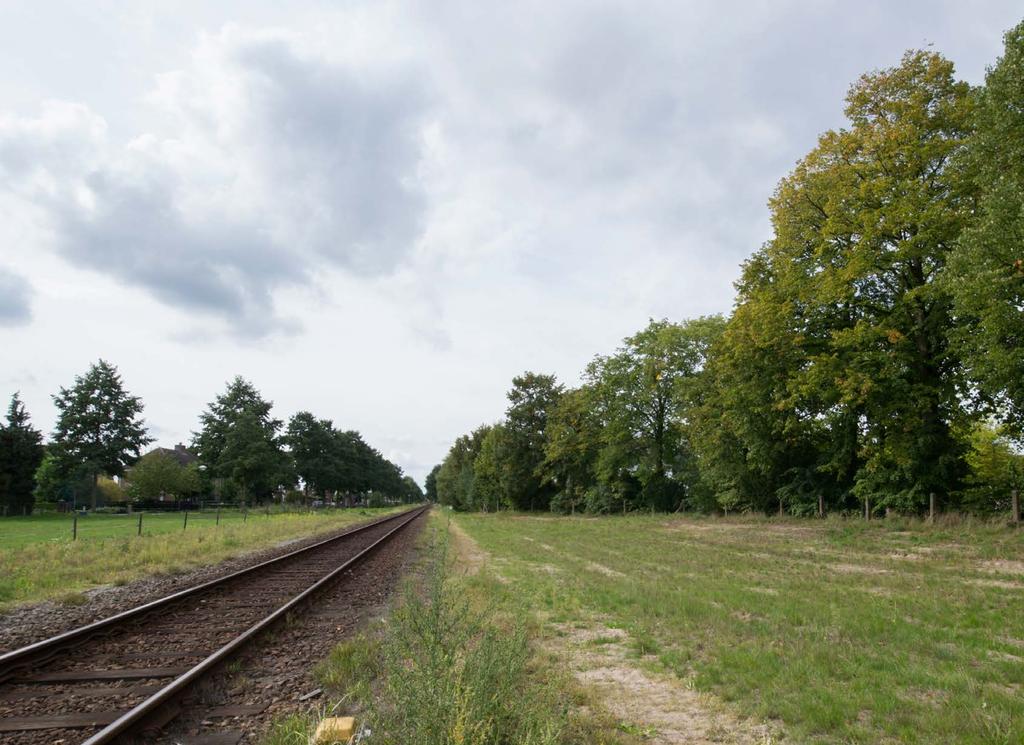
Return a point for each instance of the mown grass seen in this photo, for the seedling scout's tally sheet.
(38, 561)
(843, 632)
(454, 663)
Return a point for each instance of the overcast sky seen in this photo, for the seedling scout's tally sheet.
(381, 212)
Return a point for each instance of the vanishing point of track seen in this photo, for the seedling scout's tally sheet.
(115, 679)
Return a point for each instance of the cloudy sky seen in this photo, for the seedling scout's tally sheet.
(381, 212)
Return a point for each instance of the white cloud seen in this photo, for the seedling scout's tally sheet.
(272, 158)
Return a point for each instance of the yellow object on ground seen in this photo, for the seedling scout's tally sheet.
(334, 730)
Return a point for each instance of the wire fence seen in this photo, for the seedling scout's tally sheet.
(78, 525)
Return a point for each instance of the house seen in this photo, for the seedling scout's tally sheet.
(179, 452)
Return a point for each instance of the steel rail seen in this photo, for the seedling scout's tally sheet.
(124, 724)
(38, 651)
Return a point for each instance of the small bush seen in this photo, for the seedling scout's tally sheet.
(351, 667)
(293, 730)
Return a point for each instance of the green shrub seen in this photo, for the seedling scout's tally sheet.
(351, 667)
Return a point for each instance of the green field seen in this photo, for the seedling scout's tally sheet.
(21, 531)
(39, 560)
(829, 632)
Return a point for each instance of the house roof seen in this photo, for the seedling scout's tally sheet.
(179, 452)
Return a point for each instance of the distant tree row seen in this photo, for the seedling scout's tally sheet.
(240, 452)
(874, 356)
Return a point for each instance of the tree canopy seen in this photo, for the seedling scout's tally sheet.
(21, 452)
(157, 475)
(99, 427)
(987, 281)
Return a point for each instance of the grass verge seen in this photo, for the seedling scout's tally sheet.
(41, 569)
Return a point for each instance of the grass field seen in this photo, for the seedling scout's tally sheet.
(16, 532)
(39, 560)
(829, 632)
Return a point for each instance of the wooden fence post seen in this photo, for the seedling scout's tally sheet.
(140, 523)
(74, 528)
(1015, 504)
(245, 516)
(931, 507)
(821, 505)
(185, 524)
(867, 508)
(218, 515)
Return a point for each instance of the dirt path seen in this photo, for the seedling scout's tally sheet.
(658, 707)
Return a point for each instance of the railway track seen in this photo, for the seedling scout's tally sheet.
(123, 678)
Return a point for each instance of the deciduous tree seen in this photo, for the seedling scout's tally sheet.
(157, 475)
(987, 269)
(312, 443)
(240, 397)
(642, 395)
(846, 294)
(21, 452)
(251, 457)
(99, 428)
(531, 400)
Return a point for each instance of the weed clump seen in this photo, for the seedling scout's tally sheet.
(444, 672)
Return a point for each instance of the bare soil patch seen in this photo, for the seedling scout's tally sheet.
(1004, 584)
(663, 708)
(602, 569)
(1003, 566)
(471, 558)
(857, 569)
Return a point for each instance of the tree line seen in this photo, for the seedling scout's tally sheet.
(240, 453)
(873, 359)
